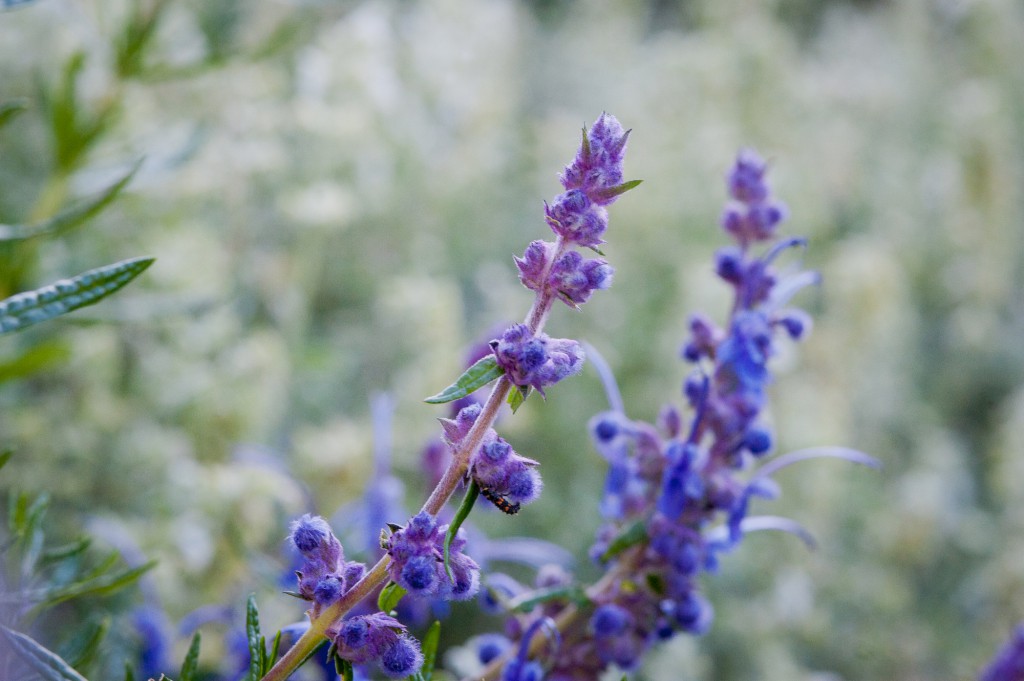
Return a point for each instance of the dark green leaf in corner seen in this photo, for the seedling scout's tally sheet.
(31, 307)
(190, 666)
(472, 492)
(389, 597)
(474, 378)
(257, 649)
(49, 665)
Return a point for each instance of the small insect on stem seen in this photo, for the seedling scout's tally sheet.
(503, 504)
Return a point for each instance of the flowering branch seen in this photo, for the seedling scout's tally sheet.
(528, 359)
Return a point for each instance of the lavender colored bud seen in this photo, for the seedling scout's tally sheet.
(522, 670)
(734, 222)
(746, 178)
(576, 279)
(354, 632)
(610, 620)
(353, 572)
(695, 389)
(597, 168)
(795, 322)
(524, 486)
(575, 218)
(420, 574)
(465, 581)
(536, 361)
(491, 646)
(534, 263)
(757, 440)
(729, 264)
(456, 429)
(496, 450)
(605, 430)
(670, 421)
(312, 534)
(328, 590)
(694, 613)
(402, 659)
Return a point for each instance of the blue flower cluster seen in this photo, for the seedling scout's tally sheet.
(325, 576)
(673, 499)
(417, 561)
(495, 467)
(534, 359)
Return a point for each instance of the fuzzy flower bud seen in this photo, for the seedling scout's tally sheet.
(577, 219)
(377, 638)
(597, 167)
(575, 279)
(536, 360)
(417, 565)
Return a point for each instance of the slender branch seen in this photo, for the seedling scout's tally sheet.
(450, 481)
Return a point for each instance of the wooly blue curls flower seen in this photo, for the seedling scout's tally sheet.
(376, 638)
(417, 562)
(536, 360)
(673, 497)
(324, 575)
(1008, 663)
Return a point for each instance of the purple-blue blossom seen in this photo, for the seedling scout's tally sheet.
(417, 561)
(1008, 663)
(376, 638)
(536, 360)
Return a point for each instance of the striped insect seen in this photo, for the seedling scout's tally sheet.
(503, 504)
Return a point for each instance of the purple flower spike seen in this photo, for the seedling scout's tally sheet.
(597, 167)
(746, 178)
(496, 468)
(536, 361)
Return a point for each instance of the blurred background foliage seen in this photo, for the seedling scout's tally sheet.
(335, 191)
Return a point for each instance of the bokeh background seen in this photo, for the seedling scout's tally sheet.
(334, 191)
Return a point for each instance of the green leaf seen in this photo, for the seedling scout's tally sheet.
(10, 109)
(343, 669)
(35, 359)
(191, 664)
(49, 665)
(631, 536)
(83, 649)
(129, 672)
(517, 396)
(72, 216)
(272, 658)
(93, 585)
(531, 599)
(429, 648)
(475, 377)
(472, 492)
(65, 551)
(31, 307)
(257, 648)
(389, 596)
(5, 456)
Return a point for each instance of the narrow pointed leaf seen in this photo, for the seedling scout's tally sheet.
(36, 359)
(129, 672)
(257, 650)
(389, 597)
(59, 553)
(274, 649)
(618, 190)
(100, 584)
(31, 307)
(13, 107)
(530, 600)
(460, 517)
(190, 666)
(475, 377)
(631, 536)
(429, 648)
(74, 215)
(84, 648)
(46, 663)
(5, 456)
